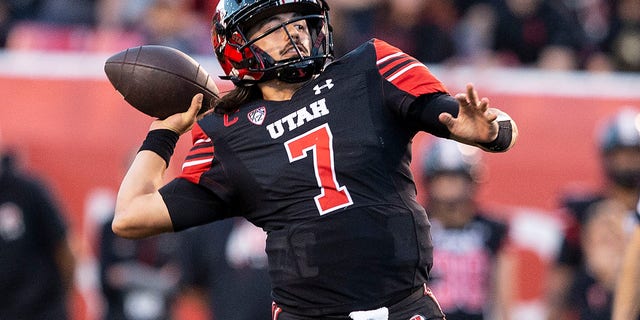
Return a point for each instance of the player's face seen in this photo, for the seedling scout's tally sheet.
(623, 166)
(282, 42)
(451, 199)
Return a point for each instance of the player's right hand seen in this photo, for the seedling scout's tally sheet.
(181, 122)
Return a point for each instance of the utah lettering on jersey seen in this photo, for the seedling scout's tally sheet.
(298, 118)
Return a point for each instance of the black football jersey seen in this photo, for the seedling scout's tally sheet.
(31, 229)
(464, 268)
(327, 176)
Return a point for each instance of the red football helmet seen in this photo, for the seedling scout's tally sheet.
(246, 64)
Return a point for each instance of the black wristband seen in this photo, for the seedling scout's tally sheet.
(162, 142)
(503, 140)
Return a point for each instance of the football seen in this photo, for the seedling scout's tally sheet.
(159, 80)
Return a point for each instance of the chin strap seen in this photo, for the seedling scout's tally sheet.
(298, 72)
(290, 73)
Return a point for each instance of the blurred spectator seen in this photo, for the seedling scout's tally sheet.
(139, 277)
(36, 263)
(173, 23)
(121, 14)
(225, 261)
(432, 24)
(474, 33)
(12, 11)
(583, 278)
(106, 25)
(472, 269)
(352, 21)
(594, 35)
(56, 12)
(5, 23)
(420, 28)
(535, 33)
(612, 34)
(532, 33)
(594, 18)
(625, 42)
(68, 12)
(463, 6)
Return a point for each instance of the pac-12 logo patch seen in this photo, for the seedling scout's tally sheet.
(417, 317)
(257, 116)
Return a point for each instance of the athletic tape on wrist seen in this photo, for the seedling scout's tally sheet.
(503, 140)
(162, 142)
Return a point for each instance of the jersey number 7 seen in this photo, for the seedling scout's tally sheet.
(320, 141)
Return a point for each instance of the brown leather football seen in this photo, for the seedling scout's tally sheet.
(159, 80)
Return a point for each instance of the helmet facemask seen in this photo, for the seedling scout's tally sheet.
(246, 64)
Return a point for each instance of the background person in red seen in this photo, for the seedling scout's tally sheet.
(470, 272)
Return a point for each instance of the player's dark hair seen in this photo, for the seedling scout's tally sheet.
(240, 95)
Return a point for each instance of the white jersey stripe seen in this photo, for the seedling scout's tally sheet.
(389, 57)
(195, 163)
(199, 141)
(404, 70)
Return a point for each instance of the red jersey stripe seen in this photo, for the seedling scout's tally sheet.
(200, 156)
(405, 72)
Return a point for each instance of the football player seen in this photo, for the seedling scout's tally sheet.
(583, 277)
(315, 152)
(472, 272)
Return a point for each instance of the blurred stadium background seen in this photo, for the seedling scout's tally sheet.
(66, 123)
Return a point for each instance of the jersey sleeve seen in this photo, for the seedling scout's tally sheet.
(405, 72)
(412, 91)
(200, 194)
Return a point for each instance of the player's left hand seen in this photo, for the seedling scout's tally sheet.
(476, 120)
